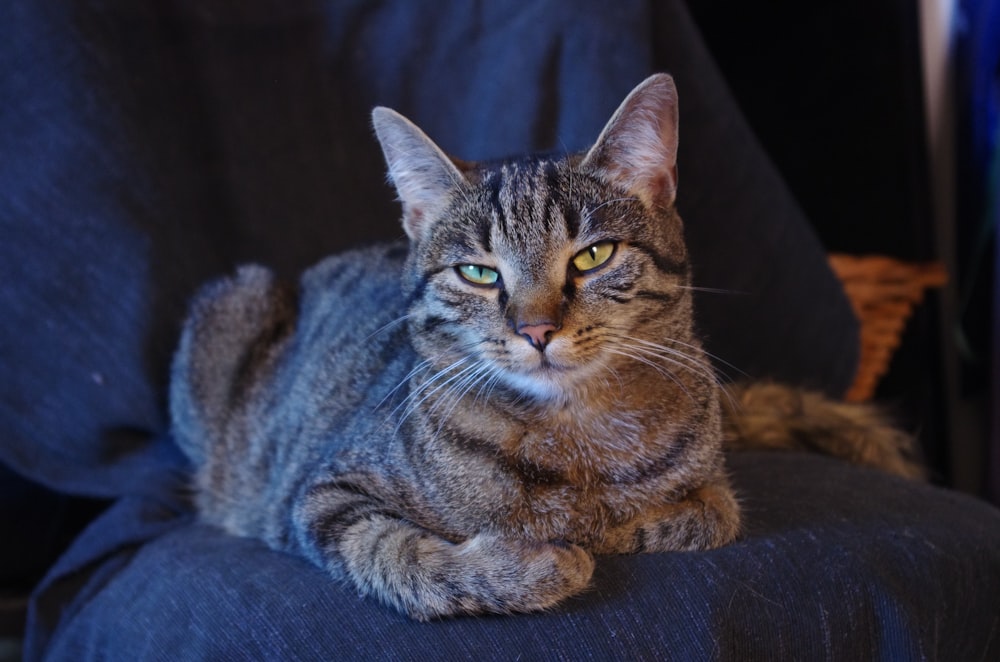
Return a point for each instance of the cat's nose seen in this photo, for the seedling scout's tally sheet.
(537, 334)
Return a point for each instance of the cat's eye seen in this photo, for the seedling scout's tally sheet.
(594, 256)
(478, 274)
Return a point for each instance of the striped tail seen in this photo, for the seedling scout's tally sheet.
(769, 416)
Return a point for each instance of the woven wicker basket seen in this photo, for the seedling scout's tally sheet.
(883, 292)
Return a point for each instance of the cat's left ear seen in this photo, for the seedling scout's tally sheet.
(638, 148)
(424, 176)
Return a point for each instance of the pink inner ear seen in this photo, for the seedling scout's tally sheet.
(412, 219)
(661, 186)
(638, 148)
(423, 175)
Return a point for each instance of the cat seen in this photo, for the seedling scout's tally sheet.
(458, 424)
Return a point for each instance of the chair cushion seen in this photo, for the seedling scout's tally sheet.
(835, 562)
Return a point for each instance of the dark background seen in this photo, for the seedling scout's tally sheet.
(834, 92)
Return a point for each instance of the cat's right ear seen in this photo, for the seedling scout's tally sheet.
(424, 177)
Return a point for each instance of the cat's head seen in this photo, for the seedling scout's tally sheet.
(543, 274)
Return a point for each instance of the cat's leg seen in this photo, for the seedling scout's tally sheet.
(708, 517)
(349, 532)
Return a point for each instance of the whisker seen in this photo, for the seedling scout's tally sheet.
(710, 290)
(658, 368)
(631, 198)
(411, 402)
(695, 366)
(719, 359)
(423, 365)
(454, 395)
(618, 378)
(487, 387)
(464, 381)
(692, 363)
(589, 212)
(388, 326)
(726, 390)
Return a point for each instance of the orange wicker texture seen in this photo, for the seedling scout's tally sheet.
(883, 292)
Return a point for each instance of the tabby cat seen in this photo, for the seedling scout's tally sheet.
(458, 424)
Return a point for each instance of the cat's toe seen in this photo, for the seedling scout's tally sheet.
(559, 571)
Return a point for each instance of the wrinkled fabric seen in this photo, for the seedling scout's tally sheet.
(148, 149)
(836, 563)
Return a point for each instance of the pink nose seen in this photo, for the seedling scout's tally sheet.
(537, 334)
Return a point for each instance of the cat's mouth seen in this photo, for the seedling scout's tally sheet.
(547, 365)
(543, 369)
(547, 376)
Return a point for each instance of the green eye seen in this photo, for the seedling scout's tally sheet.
(478, 274)
(592, 257)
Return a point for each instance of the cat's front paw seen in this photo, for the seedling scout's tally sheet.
(708, 517)
(428, 577)
(514, 575)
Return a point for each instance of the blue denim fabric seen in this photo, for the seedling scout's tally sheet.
(836, 563)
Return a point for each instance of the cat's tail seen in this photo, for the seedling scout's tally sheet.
(232, 335)
(769, 416)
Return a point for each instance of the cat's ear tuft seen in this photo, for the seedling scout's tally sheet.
(637, 149)
(424, 177)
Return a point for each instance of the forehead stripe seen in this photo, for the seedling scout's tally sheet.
(495, 182)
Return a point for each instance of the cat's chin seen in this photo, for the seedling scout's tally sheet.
(542, 384)
(549, 381)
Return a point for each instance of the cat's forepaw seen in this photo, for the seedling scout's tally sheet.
(427, 577)
(532, 575)
(708, 517)
(493, 574)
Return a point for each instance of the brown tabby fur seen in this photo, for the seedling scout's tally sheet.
(777, 417)
(455, 448)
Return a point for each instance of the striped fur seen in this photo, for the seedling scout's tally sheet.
(457, 448)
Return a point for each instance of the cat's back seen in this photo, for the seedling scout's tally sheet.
(351, 346)
(270, 380)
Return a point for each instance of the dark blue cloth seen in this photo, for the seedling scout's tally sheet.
(148, 147)
(836, 563)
